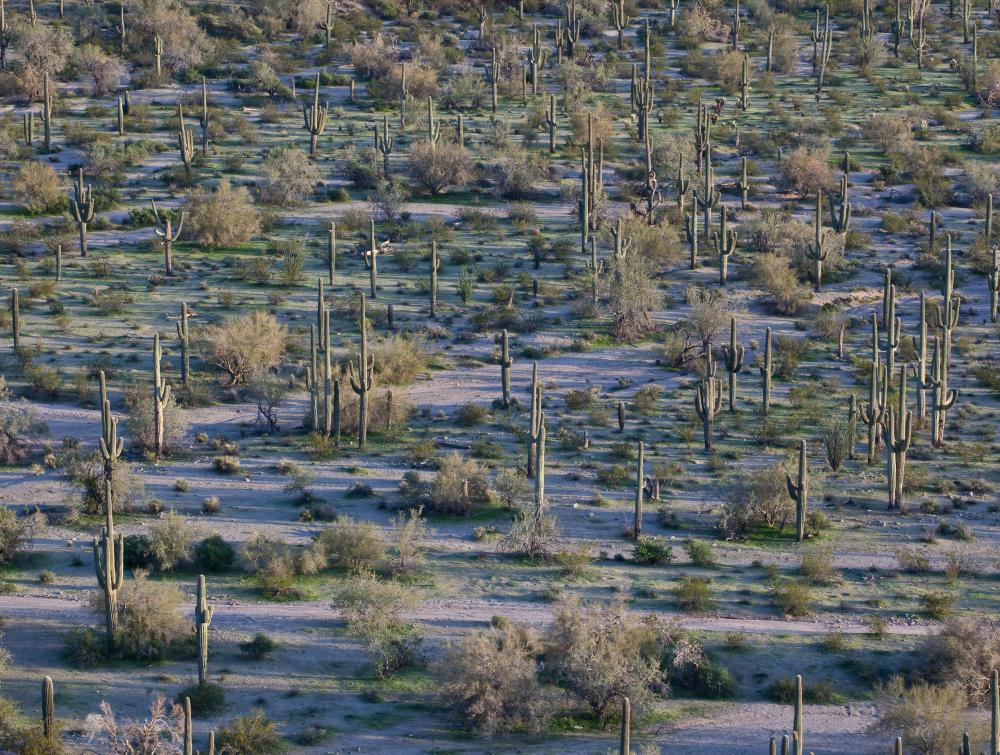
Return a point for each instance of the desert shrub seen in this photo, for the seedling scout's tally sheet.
(352, 545)
(927, 716)
(18, 424)
(119, 735)
(289, 176)
(694, 594)
(252, 734)
(137, 553)
(460, 486)
(700, 552)
(938, 604)
(171, 540)
(515, 172)
(775, 275)
(260, 646)
(653, 551)
(756, 499)
(839, 435)
(206, 699)
(471, 414)
(213, 554)
(805, 170)
(149, 618)
(224, 217)
(16, 533)
(374, 612)
(792, 597)
(817, 566)
(963, 653)
(490, 678)
(533, 534)
(598, 654)
(632, 297)
(409, 531)
(646, 398)
(511, 486)
(400, 359)
(37, 188)
(245, 345)
(705, 679)
(890, 131)
(574, 560)
(437, 169)
(138, 400)
(727, 70)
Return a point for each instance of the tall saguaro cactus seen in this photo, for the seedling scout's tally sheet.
(818, 250)
(109, 548)
(624, 746)
(640, 489)
(83, 208)
(708, 398)
(550, 121)
(840, 211)
(822, 47)
(506, 362)
(168, 234)
(371, 260)
(161, 394)
(314, 119)
(725, 244)
(872, 412)
(709, 195)
(733, 359)
(183, 335)
(46, 112)
(943, 398)
(48, 708)
(203, 120)
(185, 143)
(383, 143)
(492, 70)
(535, 419)
(798, 491)
(897, 431)
(767, 372)
(331, 251)
(435, 267)
(536, 59)
(363, 378)
(15, 319)
(620, 19)
(202, 619)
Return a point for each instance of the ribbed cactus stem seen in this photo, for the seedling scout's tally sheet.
(818, 251)
(691, 231)
(202, 619)
(331, 252)
(506, 362)
(185, 143)
(314, 119)
(166, 232)
(363, 378)
(183, 335)
(539, 446)
(733, 358)
(624, 747)
(435, 266)
(48, 708)
(797, 728)
(204, 119)
(83, 209)
(897, 431)
(161, 395)
(534, 421)
(371, 260)
(188, 728)
(620, 19)
(767, 372)
(46, 112)
(725, 241)
(873, 411)
(492, 70)
(708, 398)
(550, 121)
(15, 319)
(621, 416)
(798, 491)
(640, 476)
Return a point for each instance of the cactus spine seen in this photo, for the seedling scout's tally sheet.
(798, 491)
(161, 394)
(83, 209)
(708, 398)
(818, 251)
(314, 119)
(767, 372)
(725, 244)
(897, 431)
(640, 487)
(202, 618)
(506, 362)
(733, 359)
(48, 709)
(46, 112)
(168, 235)
(108, 549)
(363, 378)
(184, 337)
(15, 319)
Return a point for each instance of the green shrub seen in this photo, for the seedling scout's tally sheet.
(137, 553)
(937, 604)
(253, 734)
(792, 597)
(653, 551)
(205, 699)
(352, 545)
(258, 648)
(213, 554)
(694, 594)
(706, 679)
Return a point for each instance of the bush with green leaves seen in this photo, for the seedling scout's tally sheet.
(252, 734)
(653, 551)
(459, 487)
(214, 554)
(352, 545)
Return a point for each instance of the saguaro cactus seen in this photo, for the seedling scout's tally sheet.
(83, 209)
(743, 184)
(15, 319)
(29, 128)
(625, 747)
(822, 47)
(535, 418)
(108, 549)
(538, 443)
(797, 728)
(725, 244)
(620, 19)
(383, 144)
(314, 119)
(708, 398)
(897, 431)
(202, 619)
(943, 398)
(168, 235)
(840, 212)
(435, 267)
(798, 490)
(993, 283)
(161, 394)
(640, 488)
(185, 143)
(691, 231)
(183, 336)
(188, 728)
(872, 412)
(363, 378)
(492, 70)
(203, 120)
(572, 30)
(48, 708)
(536, 58)
(331, 251)
(818, 250)
(744, 99)
(767, 372)
(506, 362)
(550, 121)
(709, 196)
(46, 112)
(733, 359)
(371, 260)
(595, 267)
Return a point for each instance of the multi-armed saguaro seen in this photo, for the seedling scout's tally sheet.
(83, 208)
(733, 359)
(185, 142)
(314, 119)
(161, 395)
(202, 618)
(109, 548)
(708, 397)
(363, 378)
(168, 234)
(798, 490)
(897, 431)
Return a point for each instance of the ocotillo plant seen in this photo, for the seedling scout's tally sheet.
(535, 418)
(624, 746)
(46, 112)
(314, 119)
(435, 267)
(733, 359)
(708, 398)
(83, 209)
(492, 71)
(168, 234)
(183, 335)
(620, 19)
(185, 142)
(108, 549)
(506, 362)
(202, 618)
(640, 488)
(48, 709)
(840, 212)
(161, 394)
(536, 59)
(15, 319)
(872, 412)
(943, 398)
(371, 260)
(550, 121)
(725, 244)
(743, 184)
(897, 431)
(383, 144)
(691, 231)
(767, 372)
(331, 251)
(818, 250)
(363, 378)
(203, 120)
(798, 490)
